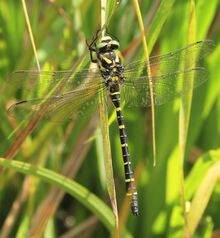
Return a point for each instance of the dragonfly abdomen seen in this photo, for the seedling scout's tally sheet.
(130, 186)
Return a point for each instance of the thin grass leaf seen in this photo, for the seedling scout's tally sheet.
(103, 115)
(185, 109)
(23, 228)
(42, 32)
(141, 25)
(30, 33)
(110, 9)
(158, 21)
(186, 99)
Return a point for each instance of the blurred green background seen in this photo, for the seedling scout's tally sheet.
(32, 207)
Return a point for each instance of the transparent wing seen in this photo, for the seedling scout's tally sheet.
(165, 87)
(66, 94)
(35, 83)
(172, 61)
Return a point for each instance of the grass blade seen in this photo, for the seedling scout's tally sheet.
(73, 164)
(185, 108)
(79, 192)
(103, 115)
(141, 26)
(30, 33)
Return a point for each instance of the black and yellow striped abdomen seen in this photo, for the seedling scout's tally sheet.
(130, 186)
(104, 51)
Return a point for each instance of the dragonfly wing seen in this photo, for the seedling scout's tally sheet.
(187, 57)
(29, 84)
(60, 105)
(136, 91)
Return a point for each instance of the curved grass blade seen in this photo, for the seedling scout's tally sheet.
(70, 169)
(79, 192)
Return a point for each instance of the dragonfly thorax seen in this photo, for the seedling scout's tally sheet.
(105, 53)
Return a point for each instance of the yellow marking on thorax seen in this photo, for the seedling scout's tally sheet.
(107, 60)
(121, 126)
(118, 109)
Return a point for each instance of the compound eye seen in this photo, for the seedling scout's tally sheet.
(103, 49)
(114, 45)
(101, 46)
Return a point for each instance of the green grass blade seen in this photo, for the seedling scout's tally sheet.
(185, 109)
(207, 10)
(201, 167)
(110, 9)
(158, 22)
(79, 192)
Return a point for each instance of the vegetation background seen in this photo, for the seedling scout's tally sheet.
(36, 201)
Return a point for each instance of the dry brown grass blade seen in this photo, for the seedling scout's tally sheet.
(74, 161)
(13, 213)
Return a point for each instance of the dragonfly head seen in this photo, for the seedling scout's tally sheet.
(106, 43)
(102, 45)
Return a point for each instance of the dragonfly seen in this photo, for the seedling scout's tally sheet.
(71, 93)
